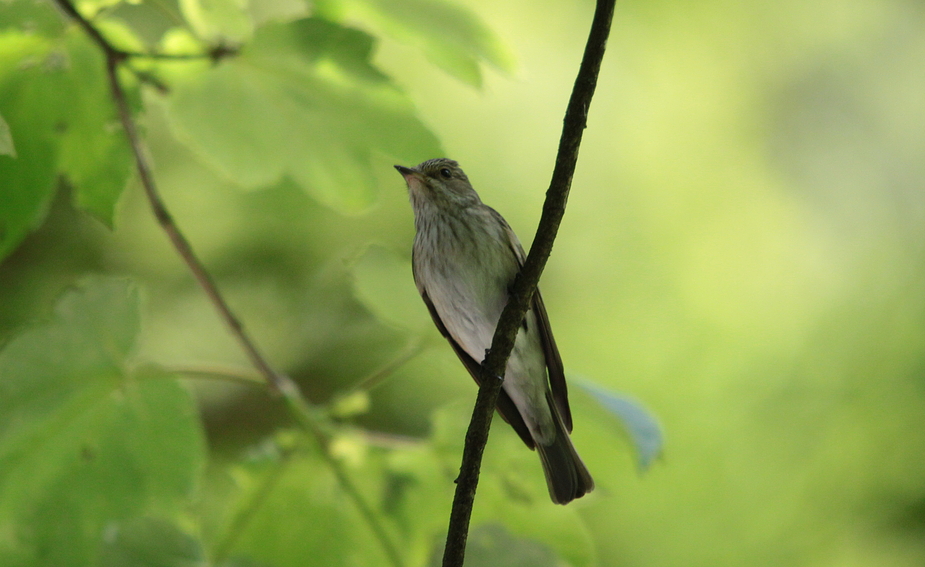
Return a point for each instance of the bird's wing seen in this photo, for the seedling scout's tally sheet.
(553, 362)
(550, 350)
(505, 405)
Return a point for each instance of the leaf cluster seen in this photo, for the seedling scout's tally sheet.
(105, 447)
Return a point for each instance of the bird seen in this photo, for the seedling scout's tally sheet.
(465, 257)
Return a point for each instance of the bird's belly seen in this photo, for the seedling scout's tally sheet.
(470, 313)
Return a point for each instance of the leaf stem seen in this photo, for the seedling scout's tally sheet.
(414, 348)
(224, 373)
(576, 117)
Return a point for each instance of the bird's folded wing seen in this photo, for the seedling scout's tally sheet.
(550, 350)
(506, 407)
(553, 362)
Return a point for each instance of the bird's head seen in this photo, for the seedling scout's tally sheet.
(439, 182)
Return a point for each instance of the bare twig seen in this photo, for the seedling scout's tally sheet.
(179, 241)
(90, 29)
(493, 366)
(215, 372)
(214, 53)
(414, 348)
(280, 383)
(115, 56)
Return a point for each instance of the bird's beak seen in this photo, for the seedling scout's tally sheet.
(406, 172)
(413, 178)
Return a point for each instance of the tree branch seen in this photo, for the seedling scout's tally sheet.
(215, 53)
(493, 366)
(279, 383)
(179, 241)
(114, 56)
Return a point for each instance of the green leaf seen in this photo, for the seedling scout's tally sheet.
(453, 37)
(119, 33)
(30, 91)
(266, 11)
(639, 423)
(83, 442)
(30, 16)
(6, 139)
(302, 101)
(218, 21)
(95, 155)
(383, 282)
(55, 97)
(149, 542)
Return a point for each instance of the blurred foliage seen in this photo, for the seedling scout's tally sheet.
(743, 252)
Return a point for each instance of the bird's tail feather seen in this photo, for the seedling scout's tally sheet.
(566, 475)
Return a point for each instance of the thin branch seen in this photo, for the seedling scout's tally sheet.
(180, 243)
(414, 348)
(215, 53)
(280, 383)
(147, 78)
(94, 33)
(225, 373)
(179, 56)
(115, 56)
(493, 366)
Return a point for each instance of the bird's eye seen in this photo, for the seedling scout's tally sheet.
(446, 173)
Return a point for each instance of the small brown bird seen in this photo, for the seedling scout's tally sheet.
(465, 259)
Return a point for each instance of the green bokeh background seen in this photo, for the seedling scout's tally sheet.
(742, 252)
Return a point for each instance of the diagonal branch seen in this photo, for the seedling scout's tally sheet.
(90, 29)
(279, 383)
(114, 57)
(576, 117)
(215, 53)
(179, 241)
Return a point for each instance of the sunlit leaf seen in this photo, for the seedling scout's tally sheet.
(91, 8)
(277, 10)
(450, 35)
(95, 155)
(302, 101)
(119, 34)
(218, 20)
(55, 98)
(639, 423)
(351, 405)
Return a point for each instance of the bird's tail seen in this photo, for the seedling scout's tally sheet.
(566, 476)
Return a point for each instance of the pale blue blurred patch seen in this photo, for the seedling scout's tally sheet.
(639, 422)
